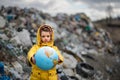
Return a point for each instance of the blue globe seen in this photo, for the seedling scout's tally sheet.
(44, 58)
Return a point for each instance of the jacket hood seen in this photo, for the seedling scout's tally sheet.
(39, 42)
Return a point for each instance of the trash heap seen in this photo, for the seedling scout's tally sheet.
(81, 43)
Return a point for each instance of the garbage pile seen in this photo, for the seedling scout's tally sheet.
(81, 43)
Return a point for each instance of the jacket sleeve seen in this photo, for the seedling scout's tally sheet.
(59, 54)
(31, 52)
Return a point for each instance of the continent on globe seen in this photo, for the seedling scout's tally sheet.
(48, 53)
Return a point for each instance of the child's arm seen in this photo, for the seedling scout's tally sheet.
(31, 54)
(60, 59)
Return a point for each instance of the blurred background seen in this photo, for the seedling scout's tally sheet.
(86, 32)
(95, 9)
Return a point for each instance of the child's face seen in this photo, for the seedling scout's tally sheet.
(45, 36)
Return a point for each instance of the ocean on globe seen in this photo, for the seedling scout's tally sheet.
(44, 58)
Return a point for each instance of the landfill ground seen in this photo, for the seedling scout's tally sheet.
(113, 29)
(111, 59)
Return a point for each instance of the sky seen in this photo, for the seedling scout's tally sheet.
(95, 9)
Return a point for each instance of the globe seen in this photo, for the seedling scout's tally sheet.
(45, 56)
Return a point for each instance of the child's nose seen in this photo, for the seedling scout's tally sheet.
(45, 38)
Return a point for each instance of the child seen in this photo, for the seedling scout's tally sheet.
(45, 37)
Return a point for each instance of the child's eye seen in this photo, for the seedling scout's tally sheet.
(48, 36)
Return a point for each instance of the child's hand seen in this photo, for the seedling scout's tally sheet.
(59, 61)
(33, 60)
(55, 62)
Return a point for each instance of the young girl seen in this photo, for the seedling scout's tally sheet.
(45, 37)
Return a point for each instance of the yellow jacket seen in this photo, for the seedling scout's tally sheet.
(37, 73)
